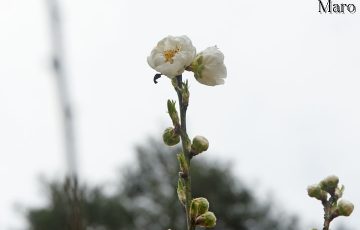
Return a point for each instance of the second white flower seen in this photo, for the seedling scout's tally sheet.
(209, 68)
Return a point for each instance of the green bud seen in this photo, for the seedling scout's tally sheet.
(171, 106)
(203, 205)
(184, 168)
(329, 184)
(170, 137)
(181, 192)
(345, 208)
(316, 192)
(206, 220)
(198, 207)
(185, 93)
(199, 145)
(339, 191)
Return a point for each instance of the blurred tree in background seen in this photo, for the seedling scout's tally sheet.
(146, 199)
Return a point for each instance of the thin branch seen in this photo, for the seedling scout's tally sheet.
(186, 150)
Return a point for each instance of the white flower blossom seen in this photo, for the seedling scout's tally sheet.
(209, 68)
(172, 55)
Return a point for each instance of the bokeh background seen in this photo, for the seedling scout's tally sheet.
(288, 115)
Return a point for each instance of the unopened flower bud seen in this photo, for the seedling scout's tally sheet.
(316, 192)
(198, 207)
(345, 208)
(170, 137)
(199, 145)
(206, 220)
(329, 184)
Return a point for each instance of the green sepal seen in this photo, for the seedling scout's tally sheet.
(197, 66)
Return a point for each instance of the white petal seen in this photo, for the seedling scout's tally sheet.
(185, 53)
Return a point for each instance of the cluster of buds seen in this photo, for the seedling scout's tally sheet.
(171, 135)
(200, 214)
(329, 192)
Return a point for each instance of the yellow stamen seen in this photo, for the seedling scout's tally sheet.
(169, 54)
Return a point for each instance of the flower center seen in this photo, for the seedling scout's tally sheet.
(169, 54)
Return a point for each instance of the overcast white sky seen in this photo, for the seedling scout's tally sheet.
(288, 115)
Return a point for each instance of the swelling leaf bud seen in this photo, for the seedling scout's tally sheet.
(185, 93)
(199, 145)
(345, 208)
(181, 192)
(206, 220)
(183, 164)
(329, 184)
(316, 192)
(170, 137)
(172, 112)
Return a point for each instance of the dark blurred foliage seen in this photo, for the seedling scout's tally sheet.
(146, 199)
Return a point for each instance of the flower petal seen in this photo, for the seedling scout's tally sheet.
(172, 55)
